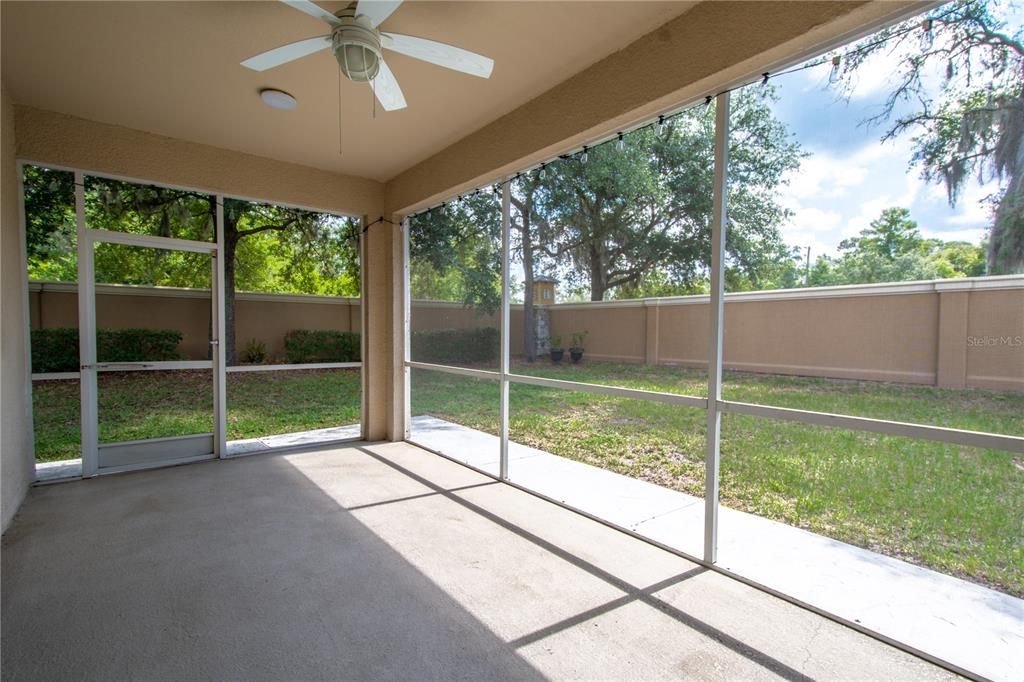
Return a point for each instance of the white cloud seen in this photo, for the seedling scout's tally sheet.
(835, 196)
(875, 75)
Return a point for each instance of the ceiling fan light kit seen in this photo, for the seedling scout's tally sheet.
(358, 44)
(277, 99)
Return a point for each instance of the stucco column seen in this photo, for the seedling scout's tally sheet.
(653, 313)
(951, 369)
(382, 302)
(17, 459)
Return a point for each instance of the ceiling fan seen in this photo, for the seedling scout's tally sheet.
(356, 42)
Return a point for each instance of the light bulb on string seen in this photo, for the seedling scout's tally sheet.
(661, 126)
(583, 156)
(833, 75)
(543, 171)
(621, 144)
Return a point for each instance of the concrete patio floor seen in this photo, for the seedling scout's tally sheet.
(379, 561)
(969, 626)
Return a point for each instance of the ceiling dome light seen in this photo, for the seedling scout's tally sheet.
(277, 99)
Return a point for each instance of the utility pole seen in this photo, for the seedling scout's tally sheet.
(807, 268)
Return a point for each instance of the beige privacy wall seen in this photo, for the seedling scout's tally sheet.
(960, 333)
(264, 317)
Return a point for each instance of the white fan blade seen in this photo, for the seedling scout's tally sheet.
(448, 56)
(287, 53)
(377, 10)
(385, 87)
(313, 10)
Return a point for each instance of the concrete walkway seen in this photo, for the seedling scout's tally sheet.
(379, 562)
(969, 626)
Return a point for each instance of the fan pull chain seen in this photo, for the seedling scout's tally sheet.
(339, 114)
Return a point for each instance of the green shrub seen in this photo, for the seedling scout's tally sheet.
(255, 352)
(56, 350)
(321, 345)
(441, 346)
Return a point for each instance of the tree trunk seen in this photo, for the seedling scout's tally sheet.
(230, 244)
(1006, 241)
(598, 280)
(529, 324)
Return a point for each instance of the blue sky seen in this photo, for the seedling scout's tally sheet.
(850, 175)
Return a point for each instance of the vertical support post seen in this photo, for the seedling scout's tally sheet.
(219, 355)
(652, 313)
(86, 335)
(364, 316)
(406, 333)
(718, 226)
(26, 320)
(506, 203)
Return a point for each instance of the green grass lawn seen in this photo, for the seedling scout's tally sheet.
(955, 509)
(136, 405)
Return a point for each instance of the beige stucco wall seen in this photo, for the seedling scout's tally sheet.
(885, 338)
(16, 458)
(263, 317)
(703, 50)
(908, 333)
(995, 322)
(615, 336)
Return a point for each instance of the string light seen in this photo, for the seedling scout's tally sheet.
(764, 78)
(543, 171)
(661, 126)
(833, 75)
(621, 144)
(583, 156)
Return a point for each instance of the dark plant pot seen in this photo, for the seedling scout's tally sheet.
(576, 355)
(556, 355)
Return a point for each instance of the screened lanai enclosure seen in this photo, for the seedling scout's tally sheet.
(705, 323)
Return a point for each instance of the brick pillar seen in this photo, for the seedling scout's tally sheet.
(951, 365)
(653, 314)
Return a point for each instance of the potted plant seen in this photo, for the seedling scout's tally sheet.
(555, 348)
(576, 349)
